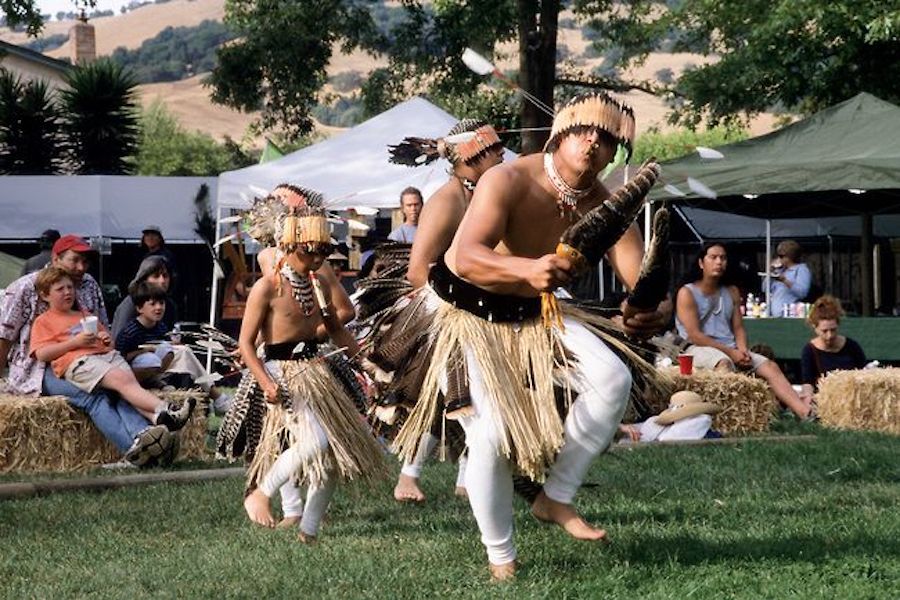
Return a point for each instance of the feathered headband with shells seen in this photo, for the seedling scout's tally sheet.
(465, 143)
(594, 109)
(290, 217)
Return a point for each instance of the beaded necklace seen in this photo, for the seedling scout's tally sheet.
(567, 196)
(301, 289)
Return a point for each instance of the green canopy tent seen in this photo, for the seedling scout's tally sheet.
(844, 160)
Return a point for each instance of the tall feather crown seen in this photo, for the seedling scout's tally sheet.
(594, 109)
(289, 217)
(414, 151)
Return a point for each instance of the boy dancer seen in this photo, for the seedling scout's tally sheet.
(307, 405)
(79, 349)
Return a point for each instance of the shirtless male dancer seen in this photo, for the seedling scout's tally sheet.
(488, 286)
(293, 310)
(469, 159)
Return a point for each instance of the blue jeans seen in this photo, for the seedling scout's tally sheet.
(115, 418)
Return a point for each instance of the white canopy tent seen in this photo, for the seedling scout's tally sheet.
(351, 169)
(117, 207)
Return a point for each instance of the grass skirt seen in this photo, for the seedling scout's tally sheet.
(311, 390)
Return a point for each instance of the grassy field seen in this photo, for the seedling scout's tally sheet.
(817, 519)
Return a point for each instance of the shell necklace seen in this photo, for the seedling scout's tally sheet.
(301, 289)
(567, 196)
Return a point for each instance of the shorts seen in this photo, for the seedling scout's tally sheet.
(707, 357)
(87, 371)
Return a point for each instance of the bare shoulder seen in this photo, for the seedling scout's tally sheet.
(264, 288)
(735, 292)
(445, 198)
(509, 179)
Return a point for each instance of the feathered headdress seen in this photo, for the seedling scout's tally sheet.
(291, 217)
(594, 109)
(465, 143)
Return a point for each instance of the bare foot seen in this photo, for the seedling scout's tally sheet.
(564, 515)
(257, 506)
(461, 492)
(504, 572)
(287, 522)
(307, 539)
(407, 489)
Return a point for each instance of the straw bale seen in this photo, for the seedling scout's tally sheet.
(867, 399)
(747, 401)
(46, 434)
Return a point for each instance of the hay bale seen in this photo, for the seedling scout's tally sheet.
(46, 434)
(866, 400)
(747, 401)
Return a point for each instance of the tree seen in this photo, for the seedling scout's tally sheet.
(31, 140)
(101, 118)
(27, 13)
(798, 55)
(277, 64)
(166, 149)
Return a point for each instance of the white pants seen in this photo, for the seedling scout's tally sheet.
(280, 477)
(603, 384)
(427, 444)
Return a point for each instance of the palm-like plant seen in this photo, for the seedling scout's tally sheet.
(101, 119)
(31, 140)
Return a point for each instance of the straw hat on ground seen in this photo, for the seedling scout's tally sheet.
(686, 404)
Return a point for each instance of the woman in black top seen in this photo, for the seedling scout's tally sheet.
(828, 351)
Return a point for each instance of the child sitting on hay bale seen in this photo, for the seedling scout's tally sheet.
(78, 348)
(142, 342)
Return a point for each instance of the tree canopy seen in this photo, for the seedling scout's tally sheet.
(794, 55)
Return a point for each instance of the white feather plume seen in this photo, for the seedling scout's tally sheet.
(477, 63)
(232, 219)
(701, 189)
(225, 240)
(709, 153)
(673, 190)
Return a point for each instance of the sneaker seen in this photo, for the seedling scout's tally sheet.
(154, 445)
(176, 419)
(221, 404)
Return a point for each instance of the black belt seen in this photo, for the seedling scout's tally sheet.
(289, 351)
(490, 306)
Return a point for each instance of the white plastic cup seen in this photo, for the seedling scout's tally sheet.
(89, 324)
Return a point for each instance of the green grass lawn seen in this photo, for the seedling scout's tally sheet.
(817, 519)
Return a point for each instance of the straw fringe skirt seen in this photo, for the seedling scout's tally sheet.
(315, 397)
(517, 361)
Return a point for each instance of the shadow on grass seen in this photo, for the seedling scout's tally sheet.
(649, 548)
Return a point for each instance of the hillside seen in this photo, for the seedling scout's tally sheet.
(189, 100)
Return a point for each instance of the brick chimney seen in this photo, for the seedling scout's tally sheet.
(82, 38)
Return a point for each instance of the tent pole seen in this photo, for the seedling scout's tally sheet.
(769, 267)
(865, 265)
(214, 292)
(830, 264)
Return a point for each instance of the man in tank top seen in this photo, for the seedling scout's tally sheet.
(707, 318)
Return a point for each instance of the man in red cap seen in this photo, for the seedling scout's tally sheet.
(118, 421)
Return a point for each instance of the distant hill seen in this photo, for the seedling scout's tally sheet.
(188, 100)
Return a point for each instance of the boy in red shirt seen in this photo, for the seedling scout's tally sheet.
(64, 337)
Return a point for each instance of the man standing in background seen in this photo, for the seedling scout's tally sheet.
(411, 204)
(39, 261)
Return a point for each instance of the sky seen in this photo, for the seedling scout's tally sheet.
(52, 7)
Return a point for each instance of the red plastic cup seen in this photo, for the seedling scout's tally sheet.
(685, 364)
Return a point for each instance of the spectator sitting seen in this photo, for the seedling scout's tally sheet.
(793, 279)
(687, 418)
(411, 204)
(62, 337)
(829, 350)
(41, 260)
(153, 270)
(119, 422)
(148, 329)
(707, 317)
